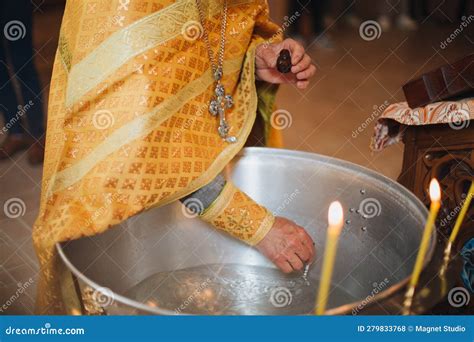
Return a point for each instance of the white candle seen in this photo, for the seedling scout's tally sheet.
(335, 221)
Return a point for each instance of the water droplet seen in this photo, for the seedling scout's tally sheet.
(364, 228)
(348, 221)
(362, 191)
(351, 210)
(358, 211)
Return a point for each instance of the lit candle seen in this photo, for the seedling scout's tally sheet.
(75, 312)
(462, 214)
(435, 196)
(335, 220)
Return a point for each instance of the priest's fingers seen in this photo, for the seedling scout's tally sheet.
(306, 73)
(303, 252)
(308, 244)
(283, 264)
(296, 50)
(295, 261)
(302, 65)
(302, 84)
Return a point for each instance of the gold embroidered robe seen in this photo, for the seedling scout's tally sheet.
(128, 124)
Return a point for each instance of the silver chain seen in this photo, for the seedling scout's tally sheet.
(220, 101)
(220, 53)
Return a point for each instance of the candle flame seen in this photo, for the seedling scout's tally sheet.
(335, 214)
(152, 303)
(75, 312)
(435, 191)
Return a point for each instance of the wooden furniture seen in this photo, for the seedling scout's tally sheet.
(442, 152)
(450, 81)
(445, 152)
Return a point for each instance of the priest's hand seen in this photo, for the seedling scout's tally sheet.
(287, 245)
(266, 60)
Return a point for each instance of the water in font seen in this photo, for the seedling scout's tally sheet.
(233, 289)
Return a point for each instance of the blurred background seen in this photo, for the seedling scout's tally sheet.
(364, 51)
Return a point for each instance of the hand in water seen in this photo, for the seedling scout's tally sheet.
(287, 245)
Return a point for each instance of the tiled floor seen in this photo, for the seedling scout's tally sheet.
(353, 78)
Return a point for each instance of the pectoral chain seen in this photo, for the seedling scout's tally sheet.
(220, 101)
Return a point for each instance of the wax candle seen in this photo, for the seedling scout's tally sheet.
(335, 221)
(457, 226)
(462, 214)
(435, 196)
